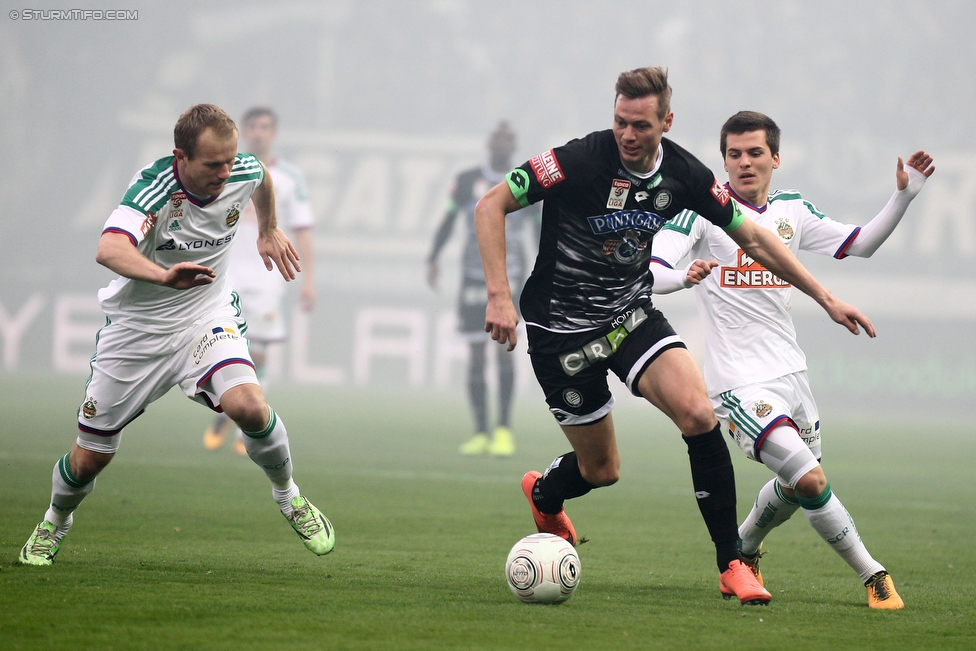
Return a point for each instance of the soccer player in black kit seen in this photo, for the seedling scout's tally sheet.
(469, 186)
(587, 304)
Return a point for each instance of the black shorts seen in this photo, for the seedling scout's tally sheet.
(575, 384)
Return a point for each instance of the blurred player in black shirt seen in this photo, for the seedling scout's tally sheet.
(469, 186)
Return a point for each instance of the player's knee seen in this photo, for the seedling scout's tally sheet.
(86, 464)
(695, 417)
(247, 407)
(811, 484)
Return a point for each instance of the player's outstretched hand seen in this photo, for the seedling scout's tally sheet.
(276, 247)
(501, 319)
(848, 316)
(919, 161)
(698, 270)
(184, 275)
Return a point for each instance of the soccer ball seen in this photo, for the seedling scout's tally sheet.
(543, 569)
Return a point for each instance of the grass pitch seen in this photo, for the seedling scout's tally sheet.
(179, 548)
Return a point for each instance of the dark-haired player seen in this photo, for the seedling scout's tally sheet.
(754, 369)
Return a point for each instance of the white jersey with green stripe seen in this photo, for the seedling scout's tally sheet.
(168, 225)
(745, 308)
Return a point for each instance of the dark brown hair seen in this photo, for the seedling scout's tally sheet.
(745, 121)
(644, 82)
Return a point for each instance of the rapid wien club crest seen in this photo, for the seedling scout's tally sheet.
(784, 228)
(762, 409)
(88, 409)
(233, 214)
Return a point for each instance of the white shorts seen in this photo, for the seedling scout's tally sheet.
(262, 309)
(751, 412)
(131, 369)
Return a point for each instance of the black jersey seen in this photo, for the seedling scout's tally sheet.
(469, 186)
(598, 220)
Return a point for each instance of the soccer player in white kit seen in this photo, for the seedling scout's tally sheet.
(172, 319)
(755, 371)
(262, 293)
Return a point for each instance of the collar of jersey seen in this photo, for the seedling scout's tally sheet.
(192, 198)
(643, 176)
(743, 201)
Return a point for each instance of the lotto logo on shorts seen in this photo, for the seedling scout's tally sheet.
(218, 330)
(546, 169)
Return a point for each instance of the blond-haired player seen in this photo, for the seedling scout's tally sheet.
(172, 320)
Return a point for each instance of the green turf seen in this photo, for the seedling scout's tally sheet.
(178, 548)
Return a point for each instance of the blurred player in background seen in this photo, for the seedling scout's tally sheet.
(262, 293)
(587, 305)
(754, 369)
(172, 319)
(469, 186)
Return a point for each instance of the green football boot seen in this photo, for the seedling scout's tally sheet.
(313, 528)
(42, 546)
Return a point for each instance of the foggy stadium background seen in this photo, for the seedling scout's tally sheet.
(381, 103)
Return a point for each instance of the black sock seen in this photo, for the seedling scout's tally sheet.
(561, 482)
(714, 480)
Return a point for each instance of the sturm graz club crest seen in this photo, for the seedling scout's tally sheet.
(572, 397)
(662, 200)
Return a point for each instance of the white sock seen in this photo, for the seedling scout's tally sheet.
(284, 496)
(269, 449)
(771, 509)
(835, 525)
(66, 494)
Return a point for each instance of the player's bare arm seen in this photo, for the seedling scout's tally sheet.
(501, 318)
(115, 251)
(273, 245)
(767, 249)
